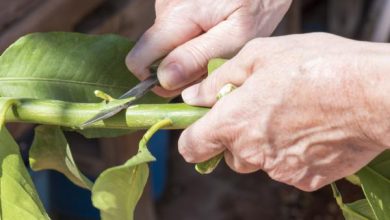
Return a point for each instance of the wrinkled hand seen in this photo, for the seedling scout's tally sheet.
(190, 33)
(308, 109)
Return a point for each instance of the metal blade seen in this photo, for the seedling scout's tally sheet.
(107, 113)
(142, 88)
(137, 92)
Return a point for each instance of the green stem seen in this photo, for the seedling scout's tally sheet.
(152, 130)
(71, 115)
(6, 105)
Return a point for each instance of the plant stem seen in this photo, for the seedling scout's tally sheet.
(71, 115)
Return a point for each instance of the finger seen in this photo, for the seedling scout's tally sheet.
(160, 39)
(201, 141)
(188, 61)
(205, 93)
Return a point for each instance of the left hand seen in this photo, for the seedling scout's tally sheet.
(302, 113)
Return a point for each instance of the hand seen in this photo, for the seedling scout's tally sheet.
(310, 109)
(190, 33)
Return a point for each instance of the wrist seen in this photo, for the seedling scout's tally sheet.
(374, 79)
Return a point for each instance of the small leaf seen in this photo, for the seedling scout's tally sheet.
(18, 197)
(209, 165)
(358, 210)
(118, 189)
(50, 150)
(375, 182)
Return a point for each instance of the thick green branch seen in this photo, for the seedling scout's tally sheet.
(73, 114)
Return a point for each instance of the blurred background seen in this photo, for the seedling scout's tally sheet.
(175, 190)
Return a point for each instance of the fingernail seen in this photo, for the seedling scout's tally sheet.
(172, 76)
(190, 94)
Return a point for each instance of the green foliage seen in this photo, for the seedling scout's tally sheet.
(118, 189)
(375, 181)
(67, 67)
(19, 199)
(50, 150)
(47, 67)
(359, 210)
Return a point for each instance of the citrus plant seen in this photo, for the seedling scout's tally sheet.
(50, 79)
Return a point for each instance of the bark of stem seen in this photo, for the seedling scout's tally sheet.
(71, 115)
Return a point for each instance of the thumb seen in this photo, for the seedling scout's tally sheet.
(188, 62)
(157, 41)
(205, 93)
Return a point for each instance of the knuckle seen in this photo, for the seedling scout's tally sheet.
(240, 166)
(209, 88)
(197, 53)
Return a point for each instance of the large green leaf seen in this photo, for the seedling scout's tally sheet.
(70, 67)
(67, 66)
(18, 197)
(118, 189)
(375, 181)
(50, 150)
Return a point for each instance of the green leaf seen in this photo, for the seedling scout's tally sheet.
(19, 199)
(50, 150)
(375, 181)
(118, 189)
(358, 210)
(209, 165)
(69, 67)
(382, 164)
(353, 179)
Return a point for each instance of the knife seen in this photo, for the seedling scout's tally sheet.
(137, 92)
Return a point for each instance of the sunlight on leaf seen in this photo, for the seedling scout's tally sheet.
(69, 67)
(19, 199)
(375, 181)
(118, 189)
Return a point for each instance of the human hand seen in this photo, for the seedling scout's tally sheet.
(190, 33)
(310, 109)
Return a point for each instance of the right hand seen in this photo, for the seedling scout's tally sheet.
(190, 33)
(309, 109)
